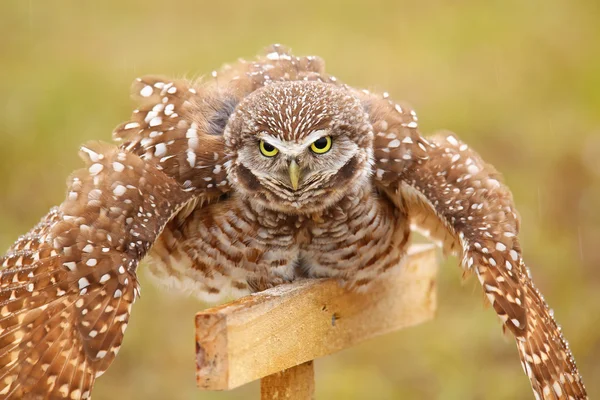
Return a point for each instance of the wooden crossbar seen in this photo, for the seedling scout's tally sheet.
(277, 333)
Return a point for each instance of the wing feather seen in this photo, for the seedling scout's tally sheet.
(460, 201)
(66, 288)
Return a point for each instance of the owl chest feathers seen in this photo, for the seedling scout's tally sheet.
(234, 247)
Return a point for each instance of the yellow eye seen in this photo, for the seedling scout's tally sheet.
(267, 149)
(322, 145)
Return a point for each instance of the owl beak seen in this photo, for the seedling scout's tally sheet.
(294, 174)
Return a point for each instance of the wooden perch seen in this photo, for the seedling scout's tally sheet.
(265, 334)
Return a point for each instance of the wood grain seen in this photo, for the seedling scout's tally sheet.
(296, 383)
(271, 331)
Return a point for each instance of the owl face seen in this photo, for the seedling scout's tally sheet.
(299, 147)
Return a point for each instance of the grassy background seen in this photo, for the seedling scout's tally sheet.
(518, 80)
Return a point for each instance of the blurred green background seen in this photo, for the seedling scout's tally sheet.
(518, 80)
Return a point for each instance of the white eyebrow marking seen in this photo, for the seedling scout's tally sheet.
(291, 148)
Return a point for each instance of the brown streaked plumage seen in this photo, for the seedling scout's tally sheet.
(269, 171)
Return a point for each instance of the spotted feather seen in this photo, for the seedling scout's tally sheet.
(67, 287)
(188, 186)
(460, 201)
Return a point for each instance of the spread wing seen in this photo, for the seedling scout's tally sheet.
(67, 287)
(460, 201)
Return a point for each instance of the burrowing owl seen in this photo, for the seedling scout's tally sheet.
(267, 172)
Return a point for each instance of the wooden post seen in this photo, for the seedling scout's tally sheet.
(269, 333)
(296, 383)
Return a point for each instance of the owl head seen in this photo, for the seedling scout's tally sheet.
(299, 147)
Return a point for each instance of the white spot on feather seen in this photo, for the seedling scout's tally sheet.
(83, 283)
(394, 143)
(118, 167)
(131, 125)
(160, 150)
(146, 91)
(452, 140)
(119, 190)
